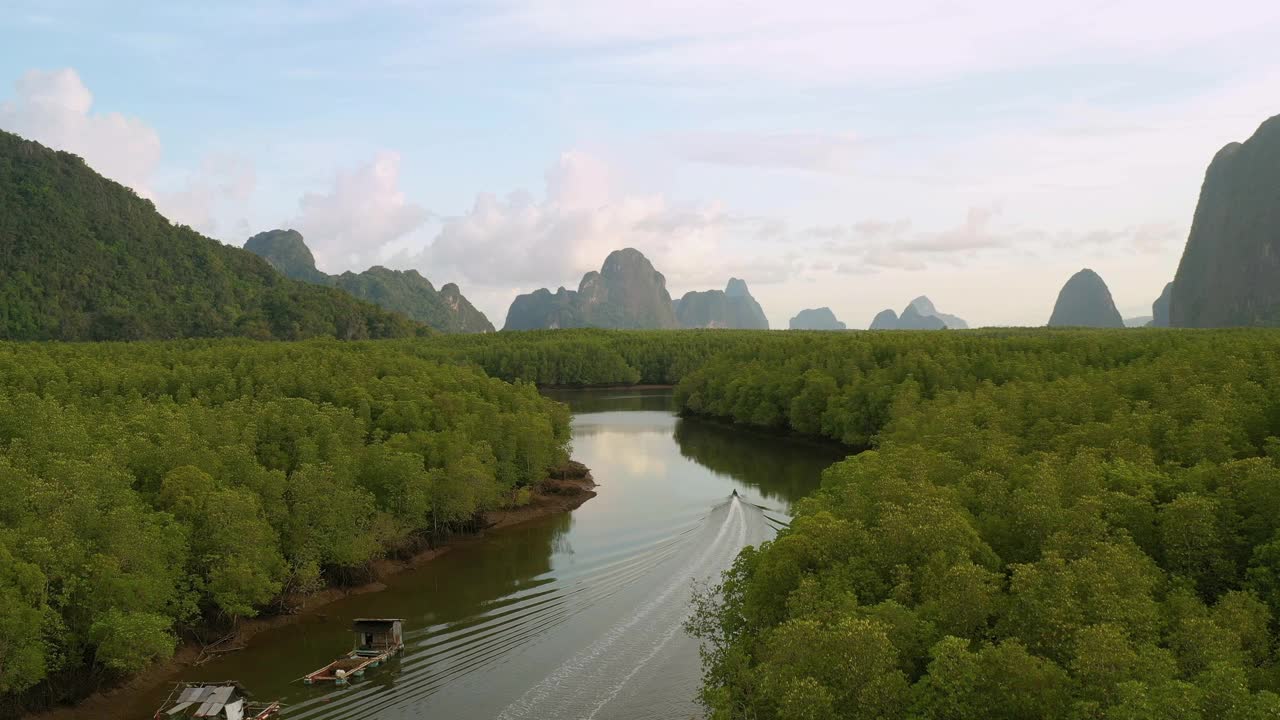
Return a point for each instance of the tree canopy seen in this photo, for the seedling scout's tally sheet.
(1044, 524)
(151, 488)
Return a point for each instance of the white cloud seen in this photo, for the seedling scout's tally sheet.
(520, 241)
(363, 211)
(898, 245)
(976, 232)
(220, 188)
(1153, 238)
(54, 107)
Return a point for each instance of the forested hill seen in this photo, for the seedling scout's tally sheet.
(84, 258)
(402, 291)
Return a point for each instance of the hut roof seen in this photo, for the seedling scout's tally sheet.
(206, 701)
(374, 624)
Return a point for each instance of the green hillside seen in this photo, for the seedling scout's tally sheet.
(85, 258)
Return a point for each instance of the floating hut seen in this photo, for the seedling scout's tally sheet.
(376, 641)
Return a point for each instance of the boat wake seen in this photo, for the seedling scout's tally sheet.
(633, 602)
(594, 677)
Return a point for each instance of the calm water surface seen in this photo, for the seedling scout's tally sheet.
(573, 616)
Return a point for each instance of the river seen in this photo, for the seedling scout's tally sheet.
(576, 615)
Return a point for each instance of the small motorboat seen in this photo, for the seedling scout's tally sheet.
(221, 701)
(377, 640)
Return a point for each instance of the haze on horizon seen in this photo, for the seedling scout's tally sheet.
(840, 154)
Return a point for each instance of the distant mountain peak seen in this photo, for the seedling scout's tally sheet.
(736, 288)
(627, 260)
(732, 308)
(404, 291)
(287, 252)
(1160, 308)
(817, 319)
(923, 305)
(1229, 274)
(886, 319)
(919, 314)
(1085, 301)
(627, 292)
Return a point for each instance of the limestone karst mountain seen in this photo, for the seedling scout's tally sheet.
(1085, 301)
(924, 306)
(288, 253)
(1230, 269)
(816, 319)
(919, 314)
(732, 308)
(886, 319)
(403, 291)
(1160, 308)
(627, 292)
(912, 319)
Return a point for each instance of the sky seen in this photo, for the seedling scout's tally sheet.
(845, 154)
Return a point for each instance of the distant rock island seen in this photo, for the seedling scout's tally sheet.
(627, 292)
(1085, 301)
(1230, 270)
(925, 308)
(1140, 321)
(816, 319)
(404, 291)
(732, 308)
(1160, 308)
(919, 314)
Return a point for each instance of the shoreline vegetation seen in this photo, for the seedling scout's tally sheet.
(565, 489)
(163, 491)
(1122, 486)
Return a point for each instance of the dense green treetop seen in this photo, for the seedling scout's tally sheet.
(1046, 524)
(84, 258)
(1041, 523)
(152, 488)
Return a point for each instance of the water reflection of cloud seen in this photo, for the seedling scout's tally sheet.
(635, 452)
(591, 430)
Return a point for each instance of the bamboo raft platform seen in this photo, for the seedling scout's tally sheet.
(377, 640)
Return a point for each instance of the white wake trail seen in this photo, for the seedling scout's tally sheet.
(592, 678)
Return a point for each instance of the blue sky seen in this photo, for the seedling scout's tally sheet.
(843, 154)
